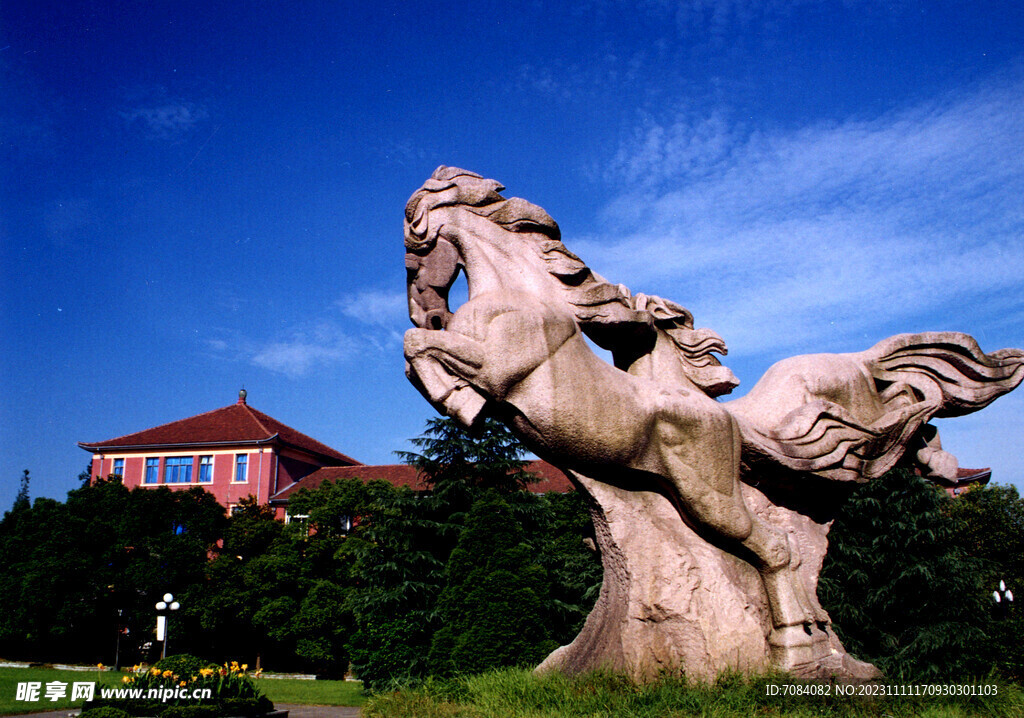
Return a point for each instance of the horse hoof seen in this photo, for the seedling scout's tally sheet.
(464, 405)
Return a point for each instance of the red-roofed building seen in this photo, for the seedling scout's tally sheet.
(233, 452)
(549, 478)
(237, 451)
(966, 479)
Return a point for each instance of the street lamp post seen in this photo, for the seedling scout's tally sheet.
(163, 632)
(117, 645)
(1003, 599)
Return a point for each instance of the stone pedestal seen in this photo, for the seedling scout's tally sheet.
(673, 602)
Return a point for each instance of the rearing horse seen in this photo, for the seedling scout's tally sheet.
(518, 343)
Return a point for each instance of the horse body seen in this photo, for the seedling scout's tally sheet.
(517, 342)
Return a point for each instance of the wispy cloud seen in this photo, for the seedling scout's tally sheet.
(768, 235)
(336, 339)
(375, 306)
(305, 350)
(160, 116)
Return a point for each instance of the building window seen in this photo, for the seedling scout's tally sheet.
(241, 467)
(178, 470)
(152, 471)
(118, 467)
(205, 469)
(295, 518)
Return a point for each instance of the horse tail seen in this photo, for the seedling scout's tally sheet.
(948, 369)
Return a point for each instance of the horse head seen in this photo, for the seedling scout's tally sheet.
(459, 220)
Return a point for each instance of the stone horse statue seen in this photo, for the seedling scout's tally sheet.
(711, 517)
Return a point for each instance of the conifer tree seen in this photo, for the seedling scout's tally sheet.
(492, 608)
(899, 590)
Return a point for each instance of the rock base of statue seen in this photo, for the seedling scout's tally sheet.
(673, 602)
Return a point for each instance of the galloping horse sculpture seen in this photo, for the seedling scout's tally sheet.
(722, 492)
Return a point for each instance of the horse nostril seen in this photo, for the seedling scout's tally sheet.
(435, 322)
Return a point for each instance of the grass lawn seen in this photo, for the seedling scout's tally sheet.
(519, 694)
(318, 693)
(11, 677)
(279, 690)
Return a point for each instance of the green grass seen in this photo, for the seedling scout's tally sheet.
(519, 694)
(278, 690)
(318, 693)
(10, 677)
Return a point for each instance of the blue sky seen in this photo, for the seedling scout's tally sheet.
(200, 196)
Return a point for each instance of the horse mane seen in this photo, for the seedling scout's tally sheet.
(450, 187)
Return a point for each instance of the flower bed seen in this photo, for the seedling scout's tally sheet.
(186, 687)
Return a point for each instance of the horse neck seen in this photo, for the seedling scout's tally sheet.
(662, 363)
(497, 261)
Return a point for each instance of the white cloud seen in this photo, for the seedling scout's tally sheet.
(768, 236)
(165, 119)
(374, 306)
(307, 347)
(305, 350)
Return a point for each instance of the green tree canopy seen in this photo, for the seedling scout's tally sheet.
(492, 609)
(901, 591)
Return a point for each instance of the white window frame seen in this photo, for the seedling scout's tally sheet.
(240, 460)
(205, 461)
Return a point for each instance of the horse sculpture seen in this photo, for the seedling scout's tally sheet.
(649, 431)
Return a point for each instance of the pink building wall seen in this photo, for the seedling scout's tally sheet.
(264, 464)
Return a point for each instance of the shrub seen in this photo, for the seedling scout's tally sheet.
(105, 712)
(183, 665)
(192, 712)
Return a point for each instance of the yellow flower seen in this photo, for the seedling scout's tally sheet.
(155, 671)
(99, 666)
(245, 666)
(183, 684)
(126, 679)
(166, 674)
(206, 672)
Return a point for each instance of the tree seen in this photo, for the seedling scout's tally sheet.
(492, 608)
(73, 574)
(21, 499)
(900, 590)
(990, 527)
(405, 562)
(566, 549)
(486, 457)
(399, 572)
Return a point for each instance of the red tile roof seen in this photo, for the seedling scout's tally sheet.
(964, 477)
(551, 479)
(963, 474)
(235, 424)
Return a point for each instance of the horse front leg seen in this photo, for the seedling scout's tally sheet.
(442, 366)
